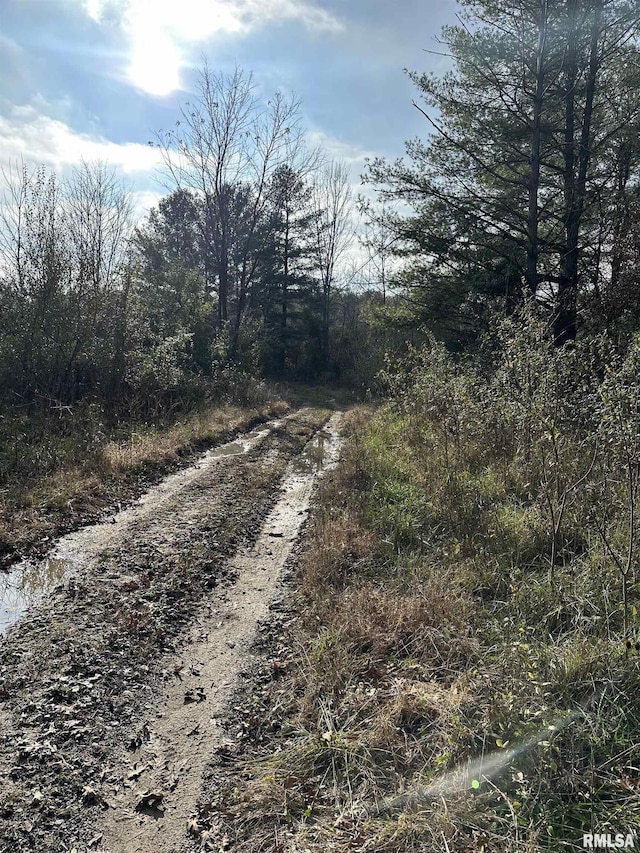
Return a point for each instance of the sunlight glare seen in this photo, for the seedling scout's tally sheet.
(155, 64)
(161, 33)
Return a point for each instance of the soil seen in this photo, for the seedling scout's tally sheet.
(114, 686)
(29, 581)
(29, 533)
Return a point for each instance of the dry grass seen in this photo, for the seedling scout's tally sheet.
(387, 624)
(168, 445)
(415, 659)
(355, 421)
(339, 543)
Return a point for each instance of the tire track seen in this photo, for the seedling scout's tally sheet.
(154, 800)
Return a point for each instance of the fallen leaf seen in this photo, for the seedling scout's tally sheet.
(193, 828)
(88, 794)
(150, 801)
(136, 773)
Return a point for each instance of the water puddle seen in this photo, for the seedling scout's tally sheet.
(235, 448)
(241, 445)
(27, 583)
(314, 455)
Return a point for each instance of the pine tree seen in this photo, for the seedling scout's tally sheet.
(288, 286)
(506, 189)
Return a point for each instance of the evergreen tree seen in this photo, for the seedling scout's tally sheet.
(288, 285)
(174, 299)
(507, 188)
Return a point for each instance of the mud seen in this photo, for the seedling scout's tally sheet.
(111, 685)
(28, 582)
(185, 732)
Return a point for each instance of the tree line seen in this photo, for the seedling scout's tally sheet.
(527, 183)
(236, 267)
(525, 187)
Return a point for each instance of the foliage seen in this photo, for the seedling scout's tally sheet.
(234, 269)
(465, 651)
(525, 181)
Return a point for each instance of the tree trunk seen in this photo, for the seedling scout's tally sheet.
(566, 319)
(282, 354)
(534, 160)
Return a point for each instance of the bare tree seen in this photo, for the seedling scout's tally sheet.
(35, 263)
(378, 238)
(63, 252)
(13, 212)
(98, 223)
(333, 233)
(227, 144)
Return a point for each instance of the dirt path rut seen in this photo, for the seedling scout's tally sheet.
(110, 686)
(151, 810)
(160, 508)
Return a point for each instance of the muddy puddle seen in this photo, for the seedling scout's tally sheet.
(27, 582)
(315, 455)
(235, 448)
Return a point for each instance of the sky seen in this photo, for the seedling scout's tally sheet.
(97, 79)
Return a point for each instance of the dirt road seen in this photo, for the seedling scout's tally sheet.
(111, 687)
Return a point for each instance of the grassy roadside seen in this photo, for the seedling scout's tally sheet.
(67, 475)
(433, 686)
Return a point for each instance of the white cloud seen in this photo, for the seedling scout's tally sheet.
(143, 201)
(351, 154)
(29, 135)
(36, 138)
(93, 8)
(161, 31)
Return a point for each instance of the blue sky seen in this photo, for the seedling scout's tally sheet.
(95, 79)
